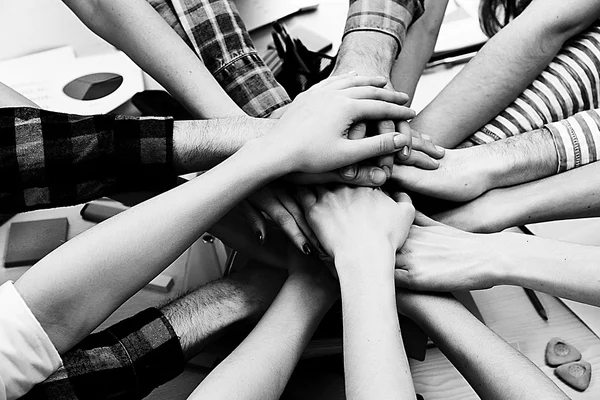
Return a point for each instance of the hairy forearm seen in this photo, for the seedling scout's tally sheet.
(137, 29)
(371, 53)
(261, 366)
(374, 360)
(205, 314)
(548, 266)
(489, 83)
(489, 369)
(200, 145)
(122, 255)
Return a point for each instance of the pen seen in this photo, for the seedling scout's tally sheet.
(539, 308)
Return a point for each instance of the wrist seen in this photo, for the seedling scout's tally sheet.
(505, 247)
(272, 155)
(368, 262)
(368, 53)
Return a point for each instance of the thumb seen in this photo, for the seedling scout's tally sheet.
(361, 149)
(423, 220)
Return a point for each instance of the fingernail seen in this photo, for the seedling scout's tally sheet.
(378, 176)
(387, 171)
(398, 142)
(349, 172)
(405, 151)
(261, 239)
(426, 137)
(306, 249)
(352, 73)
(439, 148)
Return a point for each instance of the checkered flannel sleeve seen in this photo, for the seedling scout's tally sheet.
(55, 159)
(577, 139)
(392, 17)
(126, 361)
(216, 33)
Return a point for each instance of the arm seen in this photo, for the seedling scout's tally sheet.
(441, 258)
(261, 365)
(489, 369)
(127, 153)
(153, 234)
(573, 194)
(495, 77)
(361, 229)
(134, 27)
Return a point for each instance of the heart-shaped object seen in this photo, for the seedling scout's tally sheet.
(559, 352)
(576, 374)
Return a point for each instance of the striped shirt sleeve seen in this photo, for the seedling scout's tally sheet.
(576, 139)
(391, 17)
(50, 159)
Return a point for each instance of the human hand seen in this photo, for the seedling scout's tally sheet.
(311, 136)
(311, 269)
(425, 154)
(463, 175)
(279, 204)
(349, 220)
(436, 257)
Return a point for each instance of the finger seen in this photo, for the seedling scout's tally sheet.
(321, 191)
(401, 197)
(358, 150)
(256, 220)
(378, 110)
(350, 81)
(367, 176)
(427, 147)
(284, 219)
(404, 153)
(357, 131)
(376, 93)
(306, 197)
(386, 162)
(401, 277)
(420, 160)
(290, 204)
(423, 220)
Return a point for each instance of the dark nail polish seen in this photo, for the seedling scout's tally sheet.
(306, 249)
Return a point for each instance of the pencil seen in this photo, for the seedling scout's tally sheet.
(539, 308)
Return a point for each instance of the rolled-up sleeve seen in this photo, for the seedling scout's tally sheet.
(576, 139)
(391, 17)
(55, 159)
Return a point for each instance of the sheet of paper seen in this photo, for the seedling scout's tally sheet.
(42, 77)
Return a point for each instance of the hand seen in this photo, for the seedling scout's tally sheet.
(436, 257)
(312, 270)
(345, 219)
(279, 204)
(425, 154)
(463, 175)
(312, 135)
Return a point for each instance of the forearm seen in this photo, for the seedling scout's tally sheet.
(561, 269)
(158, 50)
(371, 53)
(261, 366)
(374, 360)
(418, 48)
(200, 145)
(572, 194)
(152, 235)
(489, 369)
(489, 83)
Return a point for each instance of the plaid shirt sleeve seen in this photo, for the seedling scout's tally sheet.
(391, 17)
(55, 159)
(216, 33)
(126, 361)
(576, 139)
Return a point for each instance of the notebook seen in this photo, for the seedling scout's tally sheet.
(29, 242)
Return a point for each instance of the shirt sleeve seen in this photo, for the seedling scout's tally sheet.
(126, 361)
(391, 17)
(55, 159)
(27, 356)
(576, 139)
